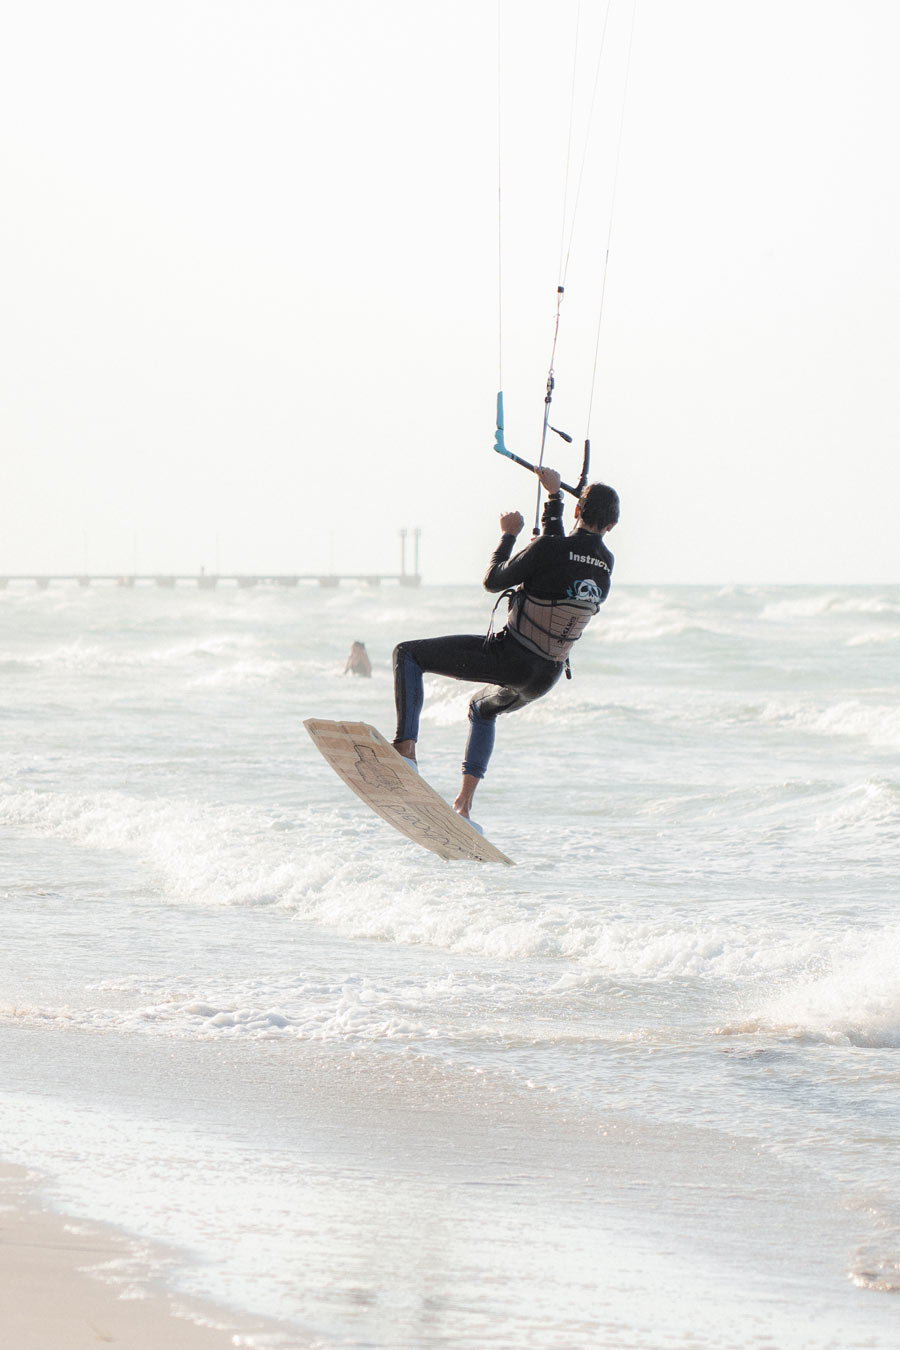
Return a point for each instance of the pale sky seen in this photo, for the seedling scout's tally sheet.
(249, 264)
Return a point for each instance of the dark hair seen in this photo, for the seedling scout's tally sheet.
(599, 506)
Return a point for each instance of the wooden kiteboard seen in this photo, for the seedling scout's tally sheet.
(391, 787)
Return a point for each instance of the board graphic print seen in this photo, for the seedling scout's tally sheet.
(385, 782)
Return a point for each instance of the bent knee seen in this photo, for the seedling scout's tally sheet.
(402, 652)
(488, 707)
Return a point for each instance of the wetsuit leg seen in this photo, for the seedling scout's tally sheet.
(480, 744)
(487, 705)
(462, 657)
(514, 676)
(409, 694)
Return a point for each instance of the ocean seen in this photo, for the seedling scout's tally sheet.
(639, 1090)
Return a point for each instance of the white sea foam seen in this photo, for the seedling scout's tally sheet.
(210, 857)
(856, 1003)
(877, 723)
(238, 856)
(350, 1012)
(870, 810)
(258, 671)
(800, 605)
(875, 637)
(814, 604)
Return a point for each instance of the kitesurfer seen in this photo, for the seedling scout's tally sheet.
(555, 584)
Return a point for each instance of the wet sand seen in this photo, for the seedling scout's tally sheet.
(73, 1285)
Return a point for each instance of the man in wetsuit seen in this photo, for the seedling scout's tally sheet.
(559, 582)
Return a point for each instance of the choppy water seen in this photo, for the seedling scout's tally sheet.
(225, 982)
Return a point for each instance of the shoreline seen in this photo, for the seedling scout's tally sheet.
(407, 1168)
(72, 1284)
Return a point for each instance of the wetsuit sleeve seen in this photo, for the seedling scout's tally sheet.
(504, 571)
(552, 518)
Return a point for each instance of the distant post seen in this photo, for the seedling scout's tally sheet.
(410, 578)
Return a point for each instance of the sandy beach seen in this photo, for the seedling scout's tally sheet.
(72, 1285)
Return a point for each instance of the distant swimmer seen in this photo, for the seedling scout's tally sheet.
(358, 662)
(555, 586)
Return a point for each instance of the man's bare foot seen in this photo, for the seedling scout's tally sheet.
(463, 804)
(407, 749)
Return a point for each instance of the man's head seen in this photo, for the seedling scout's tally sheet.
(598, 507)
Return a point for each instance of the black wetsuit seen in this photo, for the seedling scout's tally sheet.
(554, 566)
